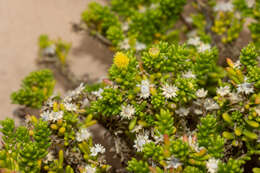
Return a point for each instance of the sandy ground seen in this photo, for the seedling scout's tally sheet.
(22, 21)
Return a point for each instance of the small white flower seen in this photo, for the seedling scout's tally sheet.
(182, 111)
(169, 91)
(141, 140)
(189, 19)
(125, 44)
(140, 46)
(98, 148)
(237, 64)
(142, 9)
(189, 74)
(195, 41)
(223, 91)
(50, 50)
(234, 97)
(212, 165)
(70, 106)
(98, 93)
(157, 136)
(210, 104)
(173, 162)
(46, 115)
(127, 111)
(74, 93)
(192, 33)
(83, 134)
(224, 6)
(245, 87)
(54, 116)
(145, 88)
(85, 102)
(49, 157)
(137, 128)
(203, 47)
(89, 169)
(201, 93)
(192, 141)
(250, 3)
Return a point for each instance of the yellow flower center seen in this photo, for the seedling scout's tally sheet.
(121, 60)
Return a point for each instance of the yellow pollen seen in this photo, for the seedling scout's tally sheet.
(121, 60)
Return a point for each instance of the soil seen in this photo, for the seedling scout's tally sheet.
(21, 24)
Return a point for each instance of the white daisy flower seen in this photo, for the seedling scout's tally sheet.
(195, 41)
(189, 74)
(198, 111)
(54, 116)
(173, 162)
(223, 91)
(245, 87)
(234, 97)
(70, 106)
(125, 44)
(210, 104)
(145, 88)
(203, 47)
(127, 111)
(224, 6)
(98, 93)
(46, 115)
(83, 135)
(98, 148)
(192, 141)
(74, 93)
(140, 46)
(169, 91)
(158, 138)
(141, 140)
(201, 93)
(90, 169)
(182, 111)
(212, 165)
(49, 157)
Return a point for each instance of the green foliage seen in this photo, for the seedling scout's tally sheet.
(35, 89)
(249, 55)
(232, 166)
(137, 166)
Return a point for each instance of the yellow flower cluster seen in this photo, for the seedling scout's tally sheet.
(121, 60)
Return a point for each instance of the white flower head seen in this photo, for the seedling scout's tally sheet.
(46, 115)
(234, 97)
(140, 46)
(125, 26)
(54, 116)
(90, 169)
(125, 44)
(141, 140)
(83, 135)
(98, 93)
(224, 6)
(173, 162)
(237, 64)
(192, 141)
(50, 157)
(210, 104)
(195, 41)
(212, 165)
(203, 47)
(98, 148)
(70, 106)
(223, 91)
(182, 111)
(245, 88)
(257, 110)
(169, 91)
(189, 74)
(85, 102)
(127, 111)
(201, 93)
(145, 88)
(74, 93)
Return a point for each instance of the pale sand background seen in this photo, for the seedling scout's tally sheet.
(22, 21)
